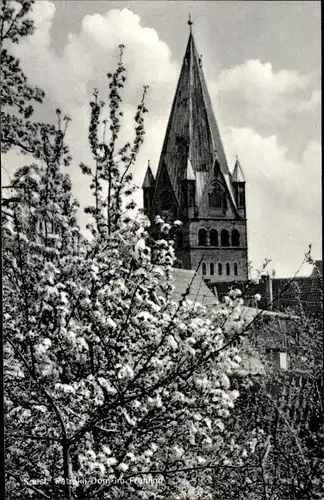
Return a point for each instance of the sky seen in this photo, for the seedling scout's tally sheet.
(262, 63)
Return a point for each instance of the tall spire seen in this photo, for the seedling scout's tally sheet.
(192, 131)
(190, 23)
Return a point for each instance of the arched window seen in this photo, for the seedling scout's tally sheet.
(213, 238)
(179, 239)
(224, 238)
(220, 269)
(204, 268)
(235, 269)
(202, 237)
(211, 269)
(235, 238)
(228, 269)
(216, 196)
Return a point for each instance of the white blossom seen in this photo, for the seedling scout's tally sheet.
(111, 323)
(177, 223)
(123, 467)
(125, 372)
(172, 342)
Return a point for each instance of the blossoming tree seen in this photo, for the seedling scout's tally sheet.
(109, 384)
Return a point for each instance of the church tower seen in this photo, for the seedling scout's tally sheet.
(193, 183)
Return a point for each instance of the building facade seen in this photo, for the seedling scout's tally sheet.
(194, 184)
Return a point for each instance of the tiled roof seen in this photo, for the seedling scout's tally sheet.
(307, 289)
(285, 292)
(199, 291)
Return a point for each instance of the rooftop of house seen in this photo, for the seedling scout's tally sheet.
(286, 292)
(182, 279)
(307, 290)
(190, 284)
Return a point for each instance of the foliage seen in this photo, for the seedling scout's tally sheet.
(18, 98)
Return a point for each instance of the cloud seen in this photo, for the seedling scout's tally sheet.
(262, 94)
(69, 78)
(92, 52)
(283, 198)
(312, 104)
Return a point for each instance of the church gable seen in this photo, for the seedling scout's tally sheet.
(217, 199)
(165, 203)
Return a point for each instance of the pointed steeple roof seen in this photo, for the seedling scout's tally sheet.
(238, 175)
(149, 180)
(192, 130)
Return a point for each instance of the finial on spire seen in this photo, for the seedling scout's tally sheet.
(190, 23)
(148, 163)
